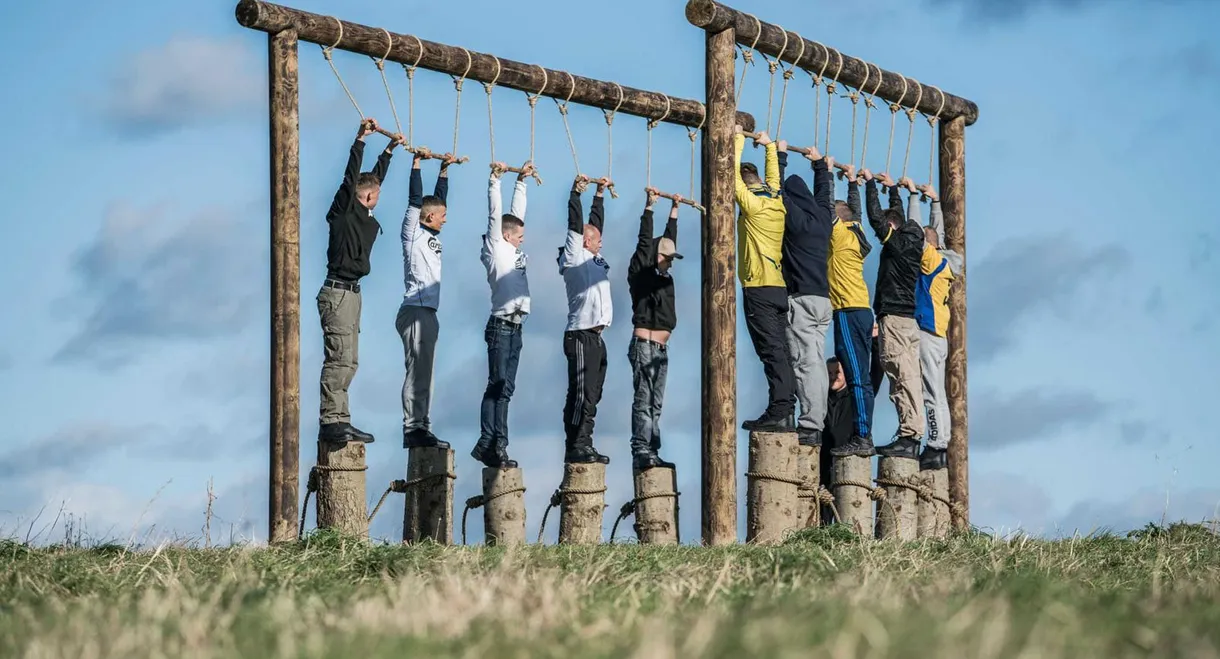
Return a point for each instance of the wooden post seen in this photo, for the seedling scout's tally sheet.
(428, 512)
(771, 501)
(809, 470)
(656, 508)
(898, 513)
(582, 503)
(953, 204)
(933, 513)
(341, 488)
(719, 331)
(503, 506)
(285, 286)
(852, 474)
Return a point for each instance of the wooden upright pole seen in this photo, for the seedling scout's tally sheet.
(953, 204)
(719, 299)
(285, 286)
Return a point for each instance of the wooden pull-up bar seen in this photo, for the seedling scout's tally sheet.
(530, 78)
(673, 197)
(768, 38)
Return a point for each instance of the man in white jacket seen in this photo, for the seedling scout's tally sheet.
(510, 304)
(586, 275)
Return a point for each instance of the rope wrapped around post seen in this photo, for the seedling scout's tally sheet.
(629, 508)
(822, 496)
(557, 499)
(400, 486)
(311, 486)
(877, 494)
(478, 501)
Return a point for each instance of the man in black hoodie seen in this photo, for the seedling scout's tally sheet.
(840, 424)
(807, 227)
(897, 275)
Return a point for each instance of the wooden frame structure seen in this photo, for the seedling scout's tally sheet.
(726, 27)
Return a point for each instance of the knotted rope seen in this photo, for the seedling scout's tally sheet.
(894, 108)
(409, 69)
(869, 104)
(772, 67)
(491, 124)
(877, 494)
(911, 112)
(563, 112)
(932, 122)
(311, 486)
(770, 476)
(381, 68)
(533, 101)
(652, 123)
(693, 134)
(822, 497)
(747, 56)
(327, 52)
(783, 98)
(854, 95)
(830, 96)
(557, 499)
(479, 500)
(457, 108)
(609, 115)
(630, 507)
(817, 98)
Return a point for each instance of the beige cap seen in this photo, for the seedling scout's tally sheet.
(666, 247)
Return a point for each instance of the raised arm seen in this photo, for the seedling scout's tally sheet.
(873, 204)
(347, 189)
(495, 229)
(643, 243)
(772, 166)
(597, 214)
(671, 225)
(853, 199)
(896, 199)
(415, 190)
(576, 213)
(745, 199)
(517, 206)
(441, 191)
(782, 156)
(383, 161)
(823, 189)
(914, 213)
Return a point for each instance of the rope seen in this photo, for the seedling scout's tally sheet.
(652, 123)
(773, 66)
(478, 501)
(491, 124)
(855, 103)
(894, 108)
(830, 94)
(609, 115)
(312, 484)
(877, 494)
(932, 121)
(563, 112)
(869, 104)
(457, 110)
(395, 486)
(768, 476)
(381, 68)
(327, 51)
(747, 56)
(410, 71)
(557, 499)
(817, 98)
(910, 131)
(533, 101)
(783, 98)
(693, 134)
(629, 508)
(822, 496)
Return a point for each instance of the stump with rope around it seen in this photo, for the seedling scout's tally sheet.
(771, 506)
(898, 513)
(852, 488)
(503, 503)
(934, 508)
(339, 480)
(582, 498)
(809, 471)
(656, 506)
(428, 512)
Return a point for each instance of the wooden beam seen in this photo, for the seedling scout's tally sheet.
(719, 332)
(953, 204)
(285, 286)
(531, 78)
(769, 38)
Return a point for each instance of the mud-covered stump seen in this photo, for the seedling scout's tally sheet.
(428, 513)
(898, 512)
(582, 502)
(771, 504)
(503, 506)
(341, 474)
(853, 477)
(656, 506)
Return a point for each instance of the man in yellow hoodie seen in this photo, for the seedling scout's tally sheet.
(760, 237)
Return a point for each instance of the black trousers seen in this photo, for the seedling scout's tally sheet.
(586, 353)
(766, 309)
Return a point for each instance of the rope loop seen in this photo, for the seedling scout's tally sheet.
(609, 114)
(488, 86)
(457, 82)
(337, 41)
(652, 123)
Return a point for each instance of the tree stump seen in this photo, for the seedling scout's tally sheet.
(771, 505)
(809, 470)
(428, 514)
(898, 513)
(503, 506)
(341, 488)
(852, 475)
(656, 506)
(582, 501)
(934, 516)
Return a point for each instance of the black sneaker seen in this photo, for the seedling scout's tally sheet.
(584, 454)
(642, 461)
(420, 438)
(809, 437)
(903, 447)
(933, 458)
(859, 446)
(769, 423)
(494, 458)
(342, 433)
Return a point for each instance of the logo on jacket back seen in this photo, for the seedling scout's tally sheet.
(601, 262)
(434, 245)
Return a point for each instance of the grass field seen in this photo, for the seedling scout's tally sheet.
(822, 594)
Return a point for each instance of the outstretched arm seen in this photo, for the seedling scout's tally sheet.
(576, 212)
(597, 214)
(853, 199)
(517, 206)
(495, 229)
(643, 243)
(383, 161)
(823, 188)
(772, 161)
(671, 225)
(745, 199)
(441, 191)
(873, 204)
(347, 188)
(782, 156)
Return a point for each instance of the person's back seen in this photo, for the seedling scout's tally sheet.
(760, 224)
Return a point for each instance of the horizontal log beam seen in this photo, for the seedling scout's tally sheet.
(768, 38)
(530, 78)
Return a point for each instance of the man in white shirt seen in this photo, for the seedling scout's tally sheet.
(510, 304)
(416, 322)
(586, 275)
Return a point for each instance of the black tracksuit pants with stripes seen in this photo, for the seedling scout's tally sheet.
(586, 353)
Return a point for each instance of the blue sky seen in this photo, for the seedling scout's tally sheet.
(134, 353)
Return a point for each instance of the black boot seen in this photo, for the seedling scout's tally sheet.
(492, 457)
(903, 447)
(342, 433)
(649, 460)
(860, 446)
(933, 458)
(420, 438)
(770, 422)
(582, 453)
(809, 437)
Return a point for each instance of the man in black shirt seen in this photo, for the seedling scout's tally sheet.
(353, 229)
(654, 317)
(839, 425)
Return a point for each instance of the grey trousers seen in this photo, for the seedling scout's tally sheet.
(933, 350)
(649, 366)
(899, 344)
(808, 321)
(339, 311)
(418, 327)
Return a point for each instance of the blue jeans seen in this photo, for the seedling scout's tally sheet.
(649, 366)
(853, 347)
(503, 352)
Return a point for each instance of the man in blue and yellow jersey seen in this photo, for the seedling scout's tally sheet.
(760, 237)
(939, 267)
(853, 316)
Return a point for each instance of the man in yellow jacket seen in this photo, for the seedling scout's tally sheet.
(760, 237)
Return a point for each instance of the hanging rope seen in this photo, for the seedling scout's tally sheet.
(609, 114)
(327, 52)
(894, 108)
(772, 67)
(563, 112)
(410, 71)
(854, 95)
(381, 67)
(783, 98)
(869, 104)
(910, 131)
(830, 96)
(747, 56)
(932, 121)
(533, 101)
(457, 110)
(491, 124)
(693, 134)
(817, 98)
(652, 123)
